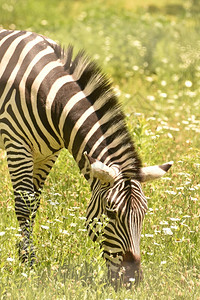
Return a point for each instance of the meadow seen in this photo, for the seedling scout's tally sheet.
(151, 52)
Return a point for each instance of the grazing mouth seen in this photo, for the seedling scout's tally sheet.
(129, 272)
(126, 278)
(131, 266)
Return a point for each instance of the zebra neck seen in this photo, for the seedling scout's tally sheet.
(86, 115)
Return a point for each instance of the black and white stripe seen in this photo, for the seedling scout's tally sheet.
(49, 101)
(124, 205)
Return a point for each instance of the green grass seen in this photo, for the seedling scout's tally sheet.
(151, 52)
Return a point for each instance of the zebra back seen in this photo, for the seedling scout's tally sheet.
(69, 102)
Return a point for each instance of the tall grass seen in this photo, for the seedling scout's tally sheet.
(152, 54)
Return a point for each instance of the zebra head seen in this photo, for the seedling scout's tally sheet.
(115, 215)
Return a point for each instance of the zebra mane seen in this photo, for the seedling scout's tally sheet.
(98, 89)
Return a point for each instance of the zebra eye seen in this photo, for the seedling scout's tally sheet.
(106, 185)
(111, 213)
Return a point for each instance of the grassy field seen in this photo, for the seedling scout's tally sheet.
(152, 53)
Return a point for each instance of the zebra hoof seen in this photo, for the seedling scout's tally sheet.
(26, 252)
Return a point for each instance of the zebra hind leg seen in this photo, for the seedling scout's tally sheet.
(28, 177)
(20, 164)
(25, 246)
(41, 170)
(29, 207)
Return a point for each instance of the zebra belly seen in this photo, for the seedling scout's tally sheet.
(1, 143)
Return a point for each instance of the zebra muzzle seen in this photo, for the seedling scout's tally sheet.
(131, 265)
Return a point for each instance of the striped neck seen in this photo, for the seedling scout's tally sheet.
(92, 120)
(85, 114)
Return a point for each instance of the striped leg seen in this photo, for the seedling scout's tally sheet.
(20, 164)
(28, 178)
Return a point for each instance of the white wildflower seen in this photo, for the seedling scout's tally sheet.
(128, 96)
(149, 78)
(10, 259)
(76, 207)
(188, 83)
(170, 192)
(163, 95)
(148, 235)
(53, 203)
(151, 98)
(135, 68)
(45, 227)
(44, 22)
(167, 231)
(82, 230)
(57, 194)
(10, 228)
(163, 223)
(174, 227)
(82, 218)
(194, 199)
(174, 219)
(170, 135)
(57, 220)
(132, 279)
(137, 43)
(166, 178)
(64, 231)
(163, 83)
(175, 77)
(156, 244)
(165, 60)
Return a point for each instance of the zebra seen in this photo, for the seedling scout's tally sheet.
(50, 101)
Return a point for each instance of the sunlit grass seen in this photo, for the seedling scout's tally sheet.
(152, 55)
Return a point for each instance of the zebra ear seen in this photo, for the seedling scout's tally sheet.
(99, 170)
(154, 172)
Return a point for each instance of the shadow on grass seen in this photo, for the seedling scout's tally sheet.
(176, 9)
